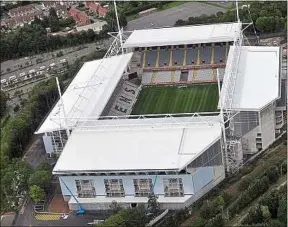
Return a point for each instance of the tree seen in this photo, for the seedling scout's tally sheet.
(217, 221)
(16, 108)
(282, 210)
(115, 207)
(36, 193)
(53, 13)
(272, 202)
(3, 103)
(41, 178)
(199, 222)
(275, 223)
(44, 165)
(273, 174)
(153, 205)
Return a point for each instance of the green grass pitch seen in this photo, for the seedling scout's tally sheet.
(175, 99)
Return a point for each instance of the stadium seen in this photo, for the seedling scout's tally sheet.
(168, 111)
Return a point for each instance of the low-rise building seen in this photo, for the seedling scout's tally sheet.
(80, 18)
(22, 10)
(96, 27)
(95, 7)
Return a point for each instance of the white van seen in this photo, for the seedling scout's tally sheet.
(22, 74)
(32, 71)
(11, 78)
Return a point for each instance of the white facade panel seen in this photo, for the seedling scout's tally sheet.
(267, 119)
(48, 144)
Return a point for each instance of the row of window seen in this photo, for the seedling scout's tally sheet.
(173, 187)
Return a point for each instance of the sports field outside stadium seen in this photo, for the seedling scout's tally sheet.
(177, 99)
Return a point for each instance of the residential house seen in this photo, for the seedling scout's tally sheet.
(22, 10)
(80, 18)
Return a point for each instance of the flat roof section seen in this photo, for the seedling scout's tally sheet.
(107, 76)
(146, 148)
(183, 35)
(257, 81)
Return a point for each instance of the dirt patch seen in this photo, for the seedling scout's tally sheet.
(58, 205)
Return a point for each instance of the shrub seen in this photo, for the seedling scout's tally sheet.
(273, 174)
(199, 222)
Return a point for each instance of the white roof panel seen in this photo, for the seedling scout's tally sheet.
(257, 81)
(142, 149)
(112, 71)
(183, 35)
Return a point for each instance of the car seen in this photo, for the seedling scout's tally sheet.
(22, 74)
(63, 61)
(11, 78)
(3, 81)
(42, 67)
(52, 64)
(32, 71)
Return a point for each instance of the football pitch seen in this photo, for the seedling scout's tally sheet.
(177, 99)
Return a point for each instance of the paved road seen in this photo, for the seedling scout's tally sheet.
(170, 16)
(70, 57)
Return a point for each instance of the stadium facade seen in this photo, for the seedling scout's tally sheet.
(108, 155)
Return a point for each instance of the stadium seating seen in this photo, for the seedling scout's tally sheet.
(151, 57)
(205, 54)
(192, 56)
(221, 73)
(204, 75)
(219, 54)
(190, 75)
(177, 76)
(147, 77)
(125, 100)
(178, 56)
(182, 55)
(164, 57)
(161, 77)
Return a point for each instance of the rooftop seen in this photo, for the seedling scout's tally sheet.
(140, 149)
(257, 80)
(183, 35)
(105, 79)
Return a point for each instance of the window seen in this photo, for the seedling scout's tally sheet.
(85, 188)
(114, 188)
(173, 187)
(142, 187)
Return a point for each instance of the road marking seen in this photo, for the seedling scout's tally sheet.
(47, 217)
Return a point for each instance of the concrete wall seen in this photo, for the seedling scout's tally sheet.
(267, 122)
(249, 141)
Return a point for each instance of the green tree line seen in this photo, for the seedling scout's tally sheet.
(267, 16)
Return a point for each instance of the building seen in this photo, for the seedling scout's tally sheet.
(22, 10)
(80, 18)
(96, 27)
(95, 7)
(110, 154)
(61, 11)
(21, 20)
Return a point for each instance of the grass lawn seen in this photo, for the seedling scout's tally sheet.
(171, 5)
(175, 99)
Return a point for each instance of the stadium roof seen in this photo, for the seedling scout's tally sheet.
(183, 35)
(257, 81)
(146, 148)
(108, 77)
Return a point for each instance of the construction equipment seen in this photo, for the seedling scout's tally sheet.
(81, 211)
